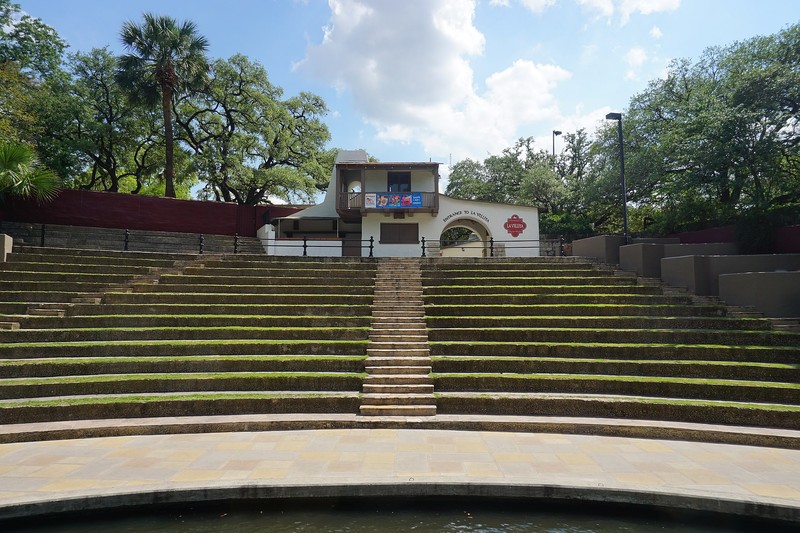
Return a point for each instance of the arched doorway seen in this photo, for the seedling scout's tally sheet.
(464, 237)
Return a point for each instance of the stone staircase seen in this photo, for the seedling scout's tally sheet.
(398, 362)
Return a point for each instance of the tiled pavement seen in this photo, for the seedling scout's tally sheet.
(99, 472)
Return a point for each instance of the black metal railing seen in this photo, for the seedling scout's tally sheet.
(131, 240)
(499, 248)
(305, 244)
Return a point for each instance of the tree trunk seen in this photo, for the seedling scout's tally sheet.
(169, 142)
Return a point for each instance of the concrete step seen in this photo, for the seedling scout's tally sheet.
(398, 349)
(9, 325)
(86, 300)
(398, 361)
(394, 337)
(384, 388)
(397, 399)
(403, 352)
(398, 369)
(44, 311)
(398, 379)
(398, 410)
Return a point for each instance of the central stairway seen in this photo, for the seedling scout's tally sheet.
(398, 381)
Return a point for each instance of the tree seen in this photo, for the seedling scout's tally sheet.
(30, 54)
(166, 60)
(719, 137)
(28, 42)
(249, 142)
(21, 175)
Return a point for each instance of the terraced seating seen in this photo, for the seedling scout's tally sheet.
(219, 335)
(557, 336)
(34, 276)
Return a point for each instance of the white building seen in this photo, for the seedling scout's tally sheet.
(394, 210)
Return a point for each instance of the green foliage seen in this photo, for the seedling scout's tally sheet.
(28, 42)
(249, 143)
(716, 141)
(21, 175)
(165, 61)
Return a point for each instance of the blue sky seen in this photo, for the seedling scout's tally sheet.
(413, 80)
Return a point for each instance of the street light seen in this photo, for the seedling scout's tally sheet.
(618, 118)
(555, 132)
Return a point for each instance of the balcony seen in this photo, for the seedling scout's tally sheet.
(356, 204)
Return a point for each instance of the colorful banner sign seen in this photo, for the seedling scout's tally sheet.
(393, 200)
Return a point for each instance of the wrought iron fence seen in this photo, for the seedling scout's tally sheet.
(499, 248)
(128, 240)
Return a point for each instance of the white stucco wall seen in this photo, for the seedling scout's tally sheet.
(376, 181)
(294, 247)
(491, 216)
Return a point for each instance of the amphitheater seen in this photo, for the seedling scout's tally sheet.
(168, 375)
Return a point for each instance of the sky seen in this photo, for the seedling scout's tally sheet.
(445, 80)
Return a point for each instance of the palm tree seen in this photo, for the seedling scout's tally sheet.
(165, 59)
(21, 175)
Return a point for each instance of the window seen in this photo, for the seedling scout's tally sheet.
(399, 233)
(399, 182)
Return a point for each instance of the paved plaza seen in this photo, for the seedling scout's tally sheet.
(100, 472)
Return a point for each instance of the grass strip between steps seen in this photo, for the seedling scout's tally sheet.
(787, 334)
(107, 378)
(176, 342)
(612, 345)
(181, 358)
(634, 399)
(208, 316)
(142, 398)
(687, 362)
(605, 318)
(202, 328)
(603, 377)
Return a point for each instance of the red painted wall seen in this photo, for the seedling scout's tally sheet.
(723, 234)
(131, 211)
(787, 239)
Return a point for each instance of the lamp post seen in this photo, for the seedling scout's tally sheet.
(618, 118)
(555, 132)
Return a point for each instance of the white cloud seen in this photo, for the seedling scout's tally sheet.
(604, 8)
(636, 56)
(656, 33)
(502, 3)
(626, 8)
(537, 6)
(645, 7)
(407, 67)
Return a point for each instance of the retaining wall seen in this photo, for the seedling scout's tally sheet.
(700, 273)
(776, 294)
(645, 258)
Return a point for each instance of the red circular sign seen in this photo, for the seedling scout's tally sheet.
(515, 225)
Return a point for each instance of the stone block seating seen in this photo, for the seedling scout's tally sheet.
(121, 335)
(560, 337)
(113, 336)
